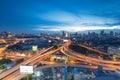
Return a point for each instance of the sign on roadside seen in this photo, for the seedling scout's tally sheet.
(26, 69)
(34, 48)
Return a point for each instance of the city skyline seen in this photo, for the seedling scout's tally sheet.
(69, 15)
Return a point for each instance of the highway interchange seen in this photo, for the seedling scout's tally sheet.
(14, 72)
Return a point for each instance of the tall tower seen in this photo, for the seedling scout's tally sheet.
(63, 33)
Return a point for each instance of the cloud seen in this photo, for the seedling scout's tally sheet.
(76, 22)
(81, 19)
(59, 16)
(76, 28)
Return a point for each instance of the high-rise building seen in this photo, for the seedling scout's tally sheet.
(102, 32)
(65, 34)
(9, 35)
(4, 34)
(111, 33)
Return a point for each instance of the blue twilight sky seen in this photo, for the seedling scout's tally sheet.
(59, 15)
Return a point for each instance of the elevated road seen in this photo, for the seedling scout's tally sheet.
(61, 65)
(82, 58)
(91, 49)
(2, 50)
(66, 48)
(7, 72)
(31, 61)
(92, 60)
(2, 41)
(14, 73)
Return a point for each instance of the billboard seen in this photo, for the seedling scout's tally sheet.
(26, 69)
(34, 48)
